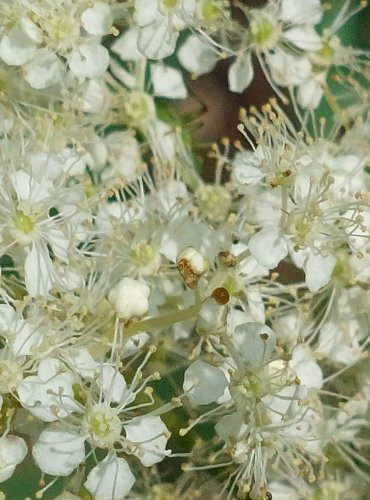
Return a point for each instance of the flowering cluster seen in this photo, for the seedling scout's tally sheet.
(219, 330)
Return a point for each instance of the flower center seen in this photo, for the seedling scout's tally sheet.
(211, 10)
(265, 34)
(169, 4)
(11, 375)
(103, 425)
(23, 222)
(138, 108)
(214, 202)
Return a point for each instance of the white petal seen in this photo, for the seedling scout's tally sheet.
(89, 60)
(241, 74)
(43, 70)
(58, 452)
(111, 479)
(45, 166)
(98, 19)
(247, 168)
(31, 29)
(38, 269)
(269, 246)
(150, 435)
(112, 383)
(287, 69)
(309, 11)
(82, 361)
(305, 366)
(58, 242)
(167, 82)
(16, 48)
(304, 37)
(204, 383)
(28, 189)
(157, 41)
(230, 426)
(255, 342)
(133, 344)
(146, 12)
(48, 399)
(92, 101)
(27, 338)
(310, 93)
(126, 46)
(13, 450)
(255, 304)
(196, 56)
(318, 271)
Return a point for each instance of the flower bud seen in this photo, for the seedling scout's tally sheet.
(130, 298)
(191, 265)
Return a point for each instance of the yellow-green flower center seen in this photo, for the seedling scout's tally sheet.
(264, 32)
(23, 222)
(103, 425)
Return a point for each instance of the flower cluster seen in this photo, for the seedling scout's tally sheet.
(161, 336)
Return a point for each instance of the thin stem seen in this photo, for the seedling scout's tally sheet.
(162, 321)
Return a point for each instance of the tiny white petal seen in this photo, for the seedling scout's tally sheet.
(98, 19)
(309, 11)
(306, 367)
(126, 45)
(318, 270)
(255, 342)
(269, 246)
(13, 450)
(58, 452)
(111, 479)
(150, 435)
(16, 48)
(38, 271)
(43, 70)
(204, 383)
(156, 41)
(168, 82)
(82, 361)
(112, 383)
(287, 69)
(89, 60)
(196, 56)
(304, 37)
(310, 92)
(241, 74)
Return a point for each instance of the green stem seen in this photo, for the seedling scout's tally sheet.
(162, 321)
